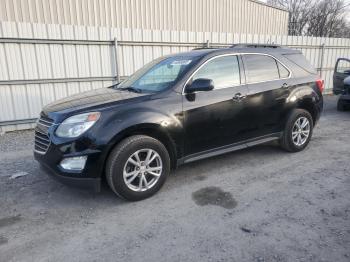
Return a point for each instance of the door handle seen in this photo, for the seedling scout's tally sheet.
(285, 86)
(238, 97)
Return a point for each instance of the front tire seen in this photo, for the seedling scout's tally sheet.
(298, 131)
(137, 167)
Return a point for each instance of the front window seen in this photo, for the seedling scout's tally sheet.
(158, 75)
(224, 71)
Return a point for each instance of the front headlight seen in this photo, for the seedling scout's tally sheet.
(76, 125)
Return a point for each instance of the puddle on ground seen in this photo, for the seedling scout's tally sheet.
(7, 221)
(214, 196)
(3, 240)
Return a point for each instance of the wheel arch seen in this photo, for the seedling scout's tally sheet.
(309, 105)
(152, 130)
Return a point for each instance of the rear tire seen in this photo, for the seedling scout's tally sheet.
(298, 131)
(137, 167)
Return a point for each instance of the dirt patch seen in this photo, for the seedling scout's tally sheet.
(8, 221)
(3, 240)
(214, 196)
(200, 178)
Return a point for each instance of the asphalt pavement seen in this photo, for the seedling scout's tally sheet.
(258, 204)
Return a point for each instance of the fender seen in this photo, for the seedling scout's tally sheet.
(168, 128)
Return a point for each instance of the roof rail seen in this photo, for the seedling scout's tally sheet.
(255, 46)
(200, 48)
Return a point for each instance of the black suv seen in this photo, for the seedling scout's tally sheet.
(178, 109)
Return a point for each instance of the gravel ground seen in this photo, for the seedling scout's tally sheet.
(258, 204)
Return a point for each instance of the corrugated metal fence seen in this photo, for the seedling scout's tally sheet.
(42, 63)
(241, 16)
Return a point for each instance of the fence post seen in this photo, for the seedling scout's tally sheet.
(116, 59)
(321, 59)
(207, 44)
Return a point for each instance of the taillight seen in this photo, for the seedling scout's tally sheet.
(320, 84)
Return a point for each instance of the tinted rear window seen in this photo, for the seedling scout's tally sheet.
(260, 68)
(301, 62)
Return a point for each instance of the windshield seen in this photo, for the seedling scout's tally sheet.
(158, 75)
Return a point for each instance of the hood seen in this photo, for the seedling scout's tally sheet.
(90, 99)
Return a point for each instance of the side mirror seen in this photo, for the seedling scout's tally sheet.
(347, 81)
(200, 84)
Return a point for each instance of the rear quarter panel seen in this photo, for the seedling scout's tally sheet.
(305, 94)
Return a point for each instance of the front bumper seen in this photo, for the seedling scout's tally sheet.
(93, 184)
(88, 178)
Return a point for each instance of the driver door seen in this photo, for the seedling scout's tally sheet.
(341, 71)
(215, 118)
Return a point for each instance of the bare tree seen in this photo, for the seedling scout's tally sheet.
(299, 10)
(316, 18)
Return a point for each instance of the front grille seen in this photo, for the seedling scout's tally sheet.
(42, 139)
(45, 121)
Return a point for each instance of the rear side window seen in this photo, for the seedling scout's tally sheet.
(284, 73)
(260, 68)
(224, 71)
(301, 62)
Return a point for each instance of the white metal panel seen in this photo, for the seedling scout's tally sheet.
(21, 108)
(4, 74)
(6, 103)
(34, 98)
(244, 16)
(72, 88)
(104, 34)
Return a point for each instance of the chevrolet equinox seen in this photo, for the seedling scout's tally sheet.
(178, 109)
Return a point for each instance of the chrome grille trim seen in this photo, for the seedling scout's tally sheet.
(46, 125)
(42, 140)
(40, 132)
(44, 121)
(41, 143)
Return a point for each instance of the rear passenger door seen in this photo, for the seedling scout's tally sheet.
(269, 85)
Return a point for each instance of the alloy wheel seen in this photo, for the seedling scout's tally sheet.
(301, 131)
(142, 170)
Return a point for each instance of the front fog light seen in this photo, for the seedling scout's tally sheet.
(74, 163)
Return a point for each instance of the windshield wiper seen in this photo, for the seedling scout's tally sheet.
(114, 86)
(132, 89)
